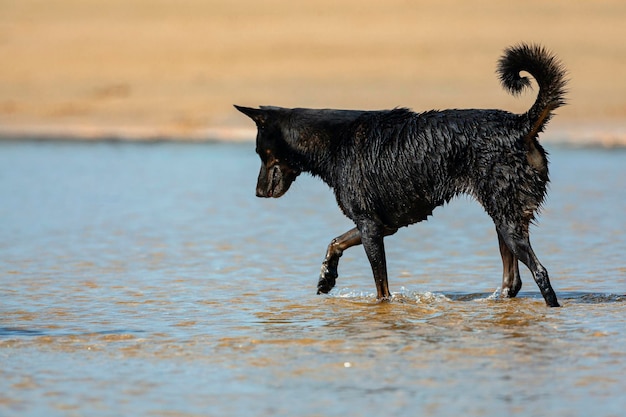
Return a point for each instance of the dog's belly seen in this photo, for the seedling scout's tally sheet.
(400, 214)
(394, 207)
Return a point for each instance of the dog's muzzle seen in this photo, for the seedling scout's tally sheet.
(275, 180)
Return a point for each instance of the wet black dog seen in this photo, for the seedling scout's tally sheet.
(392, 168)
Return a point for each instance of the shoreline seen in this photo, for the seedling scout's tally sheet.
(607, 134)
(88, 133)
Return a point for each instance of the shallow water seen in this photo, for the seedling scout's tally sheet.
(146, 279)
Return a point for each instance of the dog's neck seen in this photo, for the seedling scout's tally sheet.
(318, 137)
(316, 142)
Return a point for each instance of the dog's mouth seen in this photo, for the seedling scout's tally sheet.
(275, 181)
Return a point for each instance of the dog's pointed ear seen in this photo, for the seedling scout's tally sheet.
(258, 115)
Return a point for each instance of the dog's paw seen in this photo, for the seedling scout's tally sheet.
(328, 277)
(324, 286)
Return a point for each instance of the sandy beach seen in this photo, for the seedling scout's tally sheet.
(145, 69)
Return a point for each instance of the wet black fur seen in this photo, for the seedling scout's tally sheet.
(392, 168)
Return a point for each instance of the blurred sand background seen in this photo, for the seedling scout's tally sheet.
(142, 69)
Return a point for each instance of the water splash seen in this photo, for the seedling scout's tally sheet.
(403, 296)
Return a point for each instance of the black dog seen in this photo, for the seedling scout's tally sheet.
(392, 168)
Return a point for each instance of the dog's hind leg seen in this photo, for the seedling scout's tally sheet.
(328, 274)
(518, 242)
(511, 281)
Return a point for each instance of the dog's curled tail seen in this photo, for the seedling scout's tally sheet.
(547, 71)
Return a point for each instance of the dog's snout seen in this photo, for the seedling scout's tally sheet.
(274, 180)
(267, 182)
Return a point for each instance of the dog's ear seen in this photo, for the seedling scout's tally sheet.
(258, 115)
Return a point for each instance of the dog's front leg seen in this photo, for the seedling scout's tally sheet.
(372, 236)
(329, 274)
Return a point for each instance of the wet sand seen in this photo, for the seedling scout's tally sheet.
(149, 69)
